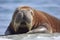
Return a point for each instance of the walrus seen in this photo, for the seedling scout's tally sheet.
(29, 20)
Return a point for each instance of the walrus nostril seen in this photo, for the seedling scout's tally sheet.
(19, 17)
(23, 23)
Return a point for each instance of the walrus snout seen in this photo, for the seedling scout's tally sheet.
(19, 17)
(23, 16)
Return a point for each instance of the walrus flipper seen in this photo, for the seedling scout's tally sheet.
(9, 30)
(43, 28)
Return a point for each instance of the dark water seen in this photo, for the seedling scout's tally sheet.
(7, 7)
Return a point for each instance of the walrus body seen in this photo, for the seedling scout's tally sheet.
(29, 20)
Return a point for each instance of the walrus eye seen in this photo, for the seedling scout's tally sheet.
(31, 12)
(16, 11)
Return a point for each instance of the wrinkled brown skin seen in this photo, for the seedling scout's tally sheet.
(39, 19)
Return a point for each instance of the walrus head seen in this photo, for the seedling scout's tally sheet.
(22, 19)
